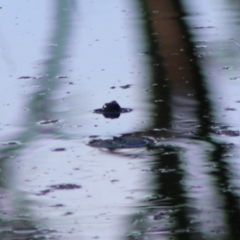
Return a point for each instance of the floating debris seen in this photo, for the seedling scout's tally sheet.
(64, 186)
(25, 77)
(12, 143)
(59, 149)
(230, 109)
(58, 205)
(234, 78)
(126, 86)
(61, 76)
(43, 122)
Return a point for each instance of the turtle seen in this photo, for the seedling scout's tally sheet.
(112, 110)
(121, 142)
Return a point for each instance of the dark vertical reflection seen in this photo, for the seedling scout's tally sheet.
(223, 176)
(184, 103)
(40, 107)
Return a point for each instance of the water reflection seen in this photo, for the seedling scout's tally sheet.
(187, 160)
(67, 182)
(192, 194)
(17, 219)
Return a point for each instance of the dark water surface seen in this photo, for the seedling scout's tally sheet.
(168, 169)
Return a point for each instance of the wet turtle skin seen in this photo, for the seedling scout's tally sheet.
(112, 110)
(111, 107)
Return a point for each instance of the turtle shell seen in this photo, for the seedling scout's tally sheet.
(121, 142)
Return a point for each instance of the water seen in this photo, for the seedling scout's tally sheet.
(175, 64)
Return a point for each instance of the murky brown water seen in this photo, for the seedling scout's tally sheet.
(167, 169)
